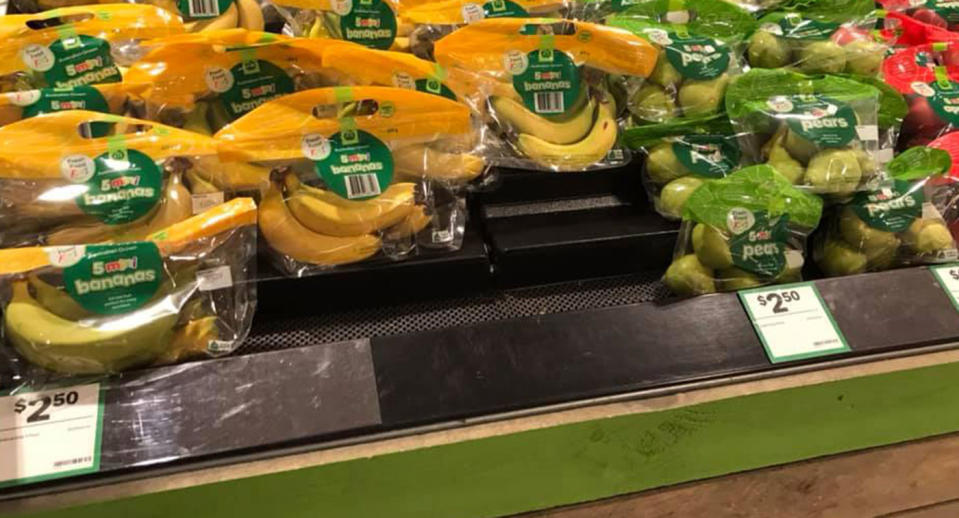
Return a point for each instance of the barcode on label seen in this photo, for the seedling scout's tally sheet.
(71, 462)
(549, 102)
(204, 8)
(362, 185)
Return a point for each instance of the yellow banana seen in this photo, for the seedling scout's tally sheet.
(190, 340)
(196, 120)
(200, 185)
(90, 347)
(412, 225)
(286, 235)
(327, 213)
(251, 17)
(57, 301)
(587, 151)
(227, 20)
(525, 121)
(423, 161)
(400, 44)
(232, 176)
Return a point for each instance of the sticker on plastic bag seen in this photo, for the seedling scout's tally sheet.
(73, 61)
(115, 279)
(356, 165)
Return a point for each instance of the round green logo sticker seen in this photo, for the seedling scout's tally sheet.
(353, 163)
(72, 61)
(503, 9)
(948, 9)
(796, 27)
(248, 85)
(758, 242)
(122, 185)
(200, 9)
(432, 86)
(823, 121)
(546, 79)
(890, 209)
(115, 279)
(708, 156)
(49, 100)
(943, 97)
(370, 23)
(698, 58)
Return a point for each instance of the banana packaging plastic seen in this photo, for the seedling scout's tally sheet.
(432, 21)
(77, 46)
(206, 15)
(204, 85)
(370, 23)
(550, 107)
(358, 173)
(105, 308)
(79, 177)
(115, 98)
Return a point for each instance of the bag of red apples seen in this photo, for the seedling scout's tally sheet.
(928, 76)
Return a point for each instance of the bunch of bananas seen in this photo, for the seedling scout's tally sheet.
(245, 14)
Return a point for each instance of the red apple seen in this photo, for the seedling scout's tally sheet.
(929, 16)
(950, 56)
(846, 35)
(922, 120)
(918, 141)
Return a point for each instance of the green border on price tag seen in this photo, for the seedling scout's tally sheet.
(942, 281)
(769, 354)
(97, 443)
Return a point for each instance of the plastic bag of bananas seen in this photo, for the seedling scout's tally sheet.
(358, 173)
(78, 177)
(197, 15)
(182, 293)
(76, 46)
(544, 88)
(370, 23)
(204, 85)
(434, 20)
(115, 98)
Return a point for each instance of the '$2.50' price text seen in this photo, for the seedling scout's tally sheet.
(39, 407)
(779, 300)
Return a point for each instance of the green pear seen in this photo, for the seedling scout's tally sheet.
(767, 51)
(839, 258)
(663, 166)
(834, 171)
(879, 259)
(665, 74)
(652, 104)
(785, 164)
(926, 236)
(800, 148)
(686, 276)
(733, 279)
(864, 238)
(864, 57)
(822, 57)
(672, 199)
(711, 247)
(867, 163)
(701, 98)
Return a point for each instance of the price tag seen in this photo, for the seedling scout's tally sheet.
(50, 434)
(793, 322)
(948, 277)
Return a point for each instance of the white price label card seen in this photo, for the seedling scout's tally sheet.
(793, 322)
(50, 434)
(948, 277)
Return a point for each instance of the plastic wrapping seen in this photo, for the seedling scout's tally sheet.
(76, 46)
(820, 132)
(680, 157)
(359, 173)
(746, 230)
(80, 177)
(720, 19)
(941, 14)
(370, 23)
(434, 20)
(544, 87)
(203, 85)
(899, 225)
(893, 109)
(928, 76)
(114, 98)
(99, 309)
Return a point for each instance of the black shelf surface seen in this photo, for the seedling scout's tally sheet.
(303, 381)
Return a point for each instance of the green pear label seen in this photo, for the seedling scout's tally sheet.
(943, 97)
(697, 58)
(122, 185)
(708, 156)
(503, 9)
(49, 100)
(822, 121)
(252, 83)
(758, 242)
(353, 163)
(546, 79)
(115, 279)
(200, 9)
(435, 87)
(370, 23)
(796, 27)
(890, 209)
(73, 61)
(948, 9)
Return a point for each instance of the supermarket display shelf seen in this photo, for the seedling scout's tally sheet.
(294, 389)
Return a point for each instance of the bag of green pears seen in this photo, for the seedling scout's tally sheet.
(720, 19)
(820, 132)
(680, 157)
(746, 230)
(897, 225)
(893, 110)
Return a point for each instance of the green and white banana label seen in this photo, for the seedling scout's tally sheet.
(72, 61)
(115, 279)
(201, 9)
(116, 187)
(708, 156)
(546, 79)
(758, 242)
(49, 100)
(796, 27)
(943, 96)
(353, 163)
(823, 121)
(435, 87)
(891, 209)
(370, 23)
(694, 57)
(248, 85)
(503, 9)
